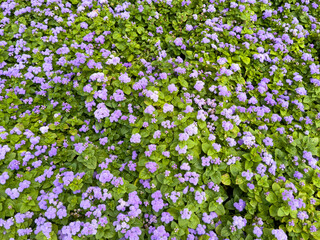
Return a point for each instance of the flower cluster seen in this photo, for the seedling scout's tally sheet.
(157, 119)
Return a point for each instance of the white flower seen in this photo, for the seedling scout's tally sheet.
(43, 130)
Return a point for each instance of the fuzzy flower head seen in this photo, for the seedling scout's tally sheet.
(279, 234)
(199, 85)
(172, 88)
(185, 213)
(135, 138)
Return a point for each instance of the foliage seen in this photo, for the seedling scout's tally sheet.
(159, 119)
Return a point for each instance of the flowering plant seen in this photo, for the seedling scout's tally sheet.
(159, 119)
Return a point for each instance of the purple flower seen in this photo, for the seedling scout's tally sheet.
(222, 60)
(135, 138)
(268, 141)
(200, 196)
(34, 140)
(220, 200)
(279, 234)
(166, 217)
(160, 233)
(79, 147)
(101, 112)
(227, 125)
(124, 78)
(301, 91)
(51, 213)
(118, 95)
(157, 204)
(152, 166)
(257, 231)
(240, 205)
(44, 130)
(266, 14)
(235, 67)
(172, 88)
(163, 76)
(314, 69)
(140, 8)
(178, 41)
(167, 108)
(189, 27)
(185, 213)
(199, 85)
(298, 175)
(302, 215)
(85, 204)
(242, 97)
(183, 137)
(181, 150)
(105, 176)
(216, 146)
(157, 134)
(239, 222)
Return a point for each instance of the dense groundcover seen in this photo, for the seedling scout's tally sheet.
(159, 119)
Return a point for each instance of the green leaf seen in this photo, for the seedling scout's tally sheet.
(276, 187)
(220, 209)
(174, 212)
(283, 211)
(193, 221)
(24, 208)
(99, 234)
(246, 60)
(225, 231)
(273, 210)
(116, 35)
(234, 169)
(202, 124)
(271, 197)
(130, 58)
(144, 174)
(216, 177)
(225, 179)
(140, 30)
(206, 147)
(109, 234)
(91, 163)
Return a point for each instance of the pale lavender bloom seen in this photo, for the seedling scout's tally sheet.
(178, 41)
(167, 108)
(135, 138)
(239, 222)
(185, 213)
(189, 27)
(257, 231)
(44, 130)
(301, 91)
(181, 150)
(140, 8)
(268, 141)
(150, 109)
(199, 85)
(152, 166)
(222, 61)
(302, 215)
(240, 205)
(227, 126)
(157, 134)
(166, 217)
(183, 137)
(124, 78)
(172, 88)
(279, 234)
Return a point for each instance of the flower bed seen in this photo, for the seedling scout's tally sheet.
(159, 119)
